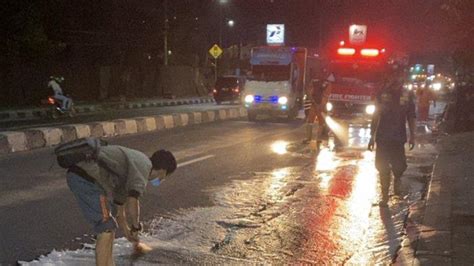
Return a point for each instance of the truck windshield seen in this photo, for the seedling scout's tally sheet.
(226, 82)
(357, 73)
(270, 73)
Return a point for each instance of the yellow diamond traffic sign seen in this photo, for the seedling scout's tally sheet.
(215, 51)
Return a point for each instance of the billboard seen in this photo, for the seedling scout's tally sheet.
(275, 34)
(357, 34)
(430, 69)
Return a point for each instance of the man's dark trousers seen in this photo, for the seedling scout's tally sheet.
(390, 158)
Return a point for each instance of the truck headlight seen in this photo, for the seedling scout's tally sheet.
(249, 98)
(283, 100)
(370, 109)
(329, 107)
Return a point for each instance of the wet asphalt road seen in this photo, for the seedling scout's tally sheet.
(245, 192)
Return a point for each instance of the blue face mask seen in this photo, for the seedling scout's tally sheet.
(155, 182)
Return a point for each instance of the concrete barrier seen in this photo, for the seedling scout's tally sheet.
(209, 116)
(52, 136)
(15, 141)
(4, 145)
(242, 112)
(145, 124)
(82, 131)
(176, 120)
(35, 139)
(131, 126)
(184, 119)
(109, 129)
(69, 133)
(12, 141)
(222, 114)
(168, 121)
(97, 130)
(196, 118)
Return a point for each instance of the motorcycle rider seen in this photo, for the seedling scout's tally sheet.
(58, 92)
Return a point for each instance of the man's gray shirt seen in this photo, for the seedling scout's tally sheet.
(120, 170)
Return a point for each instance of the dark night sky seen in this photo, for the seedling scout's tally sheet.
(415, 26)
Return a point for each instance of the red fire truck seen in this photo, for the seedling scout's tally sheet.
(359, 71)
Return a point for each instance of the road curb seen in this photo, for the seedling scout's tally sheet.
(434, 244)
(38, 113)
(35, 138)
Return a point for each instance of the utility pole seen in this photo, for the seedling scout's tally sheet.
(165, 57)
(320, 26)
(220, 25)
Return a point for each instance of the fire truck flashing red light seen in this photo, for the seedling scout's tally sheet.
(346, 51)
(369, 52)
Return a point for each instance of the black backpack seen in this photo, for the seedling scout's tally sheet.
(73, 152)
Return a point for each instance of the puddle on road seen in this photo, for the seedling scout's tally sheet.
(322, 212)
(317, 215)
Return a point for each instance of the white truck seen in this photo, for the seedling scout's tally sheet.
(276, 84)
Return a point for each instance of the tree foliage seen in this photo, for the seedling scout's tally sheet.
(24, 32)
(459, 15)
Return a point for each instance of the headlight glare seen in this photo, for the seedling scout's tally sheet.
(329, 107)
(370, 109)
(249, 98)
(283, 100)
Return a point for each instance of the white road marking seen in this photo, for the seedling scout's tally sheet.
(195, 160)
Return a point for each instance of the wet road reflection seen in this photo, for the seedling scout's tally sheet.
(279, 147)
(317, 211)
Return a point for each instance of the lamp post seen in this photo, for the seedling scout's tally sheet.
(165, 39)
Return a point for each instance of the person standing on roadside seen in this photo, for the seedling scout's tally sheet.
(319, 97)
(109, 188)
(424, 97)
(395, 106)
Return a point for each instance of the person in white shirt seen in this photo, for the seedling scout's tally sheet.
(58, 92)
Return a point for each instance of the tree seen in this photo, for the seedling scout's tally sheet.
(459, 15)
(25, 43)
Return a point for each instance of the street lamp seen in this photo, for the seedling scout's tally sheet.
(231, 23)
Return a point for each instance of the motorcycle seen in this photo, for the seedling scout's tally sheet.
(56, 109)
